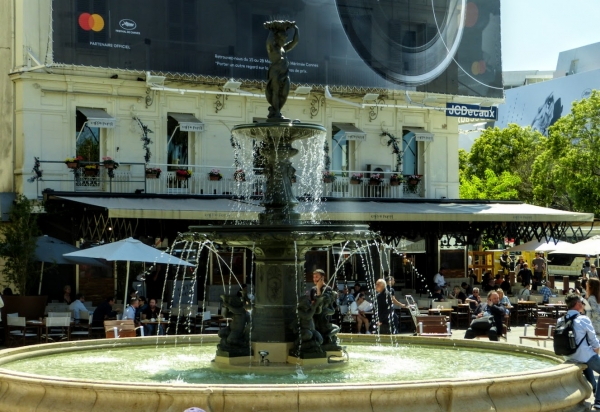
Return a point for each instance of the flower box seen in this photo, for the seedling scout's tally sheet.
(109, 165)
(72, 165)
(355, 182)
(90, 172)
(239, 176)
(213, 178)
(181, 177)
(413, 182)
(374, 182)
(327, 180)
(151, 175)
(394, 183)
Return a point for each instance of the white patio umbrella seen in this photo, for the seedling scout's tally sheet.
(129, 250)
(589, 246)
(540, 246)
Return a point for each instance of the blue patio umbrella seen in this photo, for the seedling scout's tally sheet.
(51, 250)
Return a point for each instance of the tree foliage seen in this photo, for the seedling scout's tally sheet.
(17, 245)
(503, 187)
(567, 176)
(508, 153)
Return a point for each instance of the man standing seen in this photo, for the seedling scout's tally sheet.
(586, 340)
(384, 318)
(525, 274)
(390, 287)
(77, 306)
(539, 266)
(505, 262)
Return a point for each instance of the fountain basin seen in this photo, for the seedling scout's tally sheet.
(560, 387)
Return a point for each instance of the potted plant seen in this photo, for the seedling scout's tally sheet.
(239, 175)
(375, 179)
(215, 174)
(356, 178)
(91, 170)
(109, 163)
(153, 172)
(395, 179)
(328, 176)
(413, 180)
(73, 162)
(183, 174)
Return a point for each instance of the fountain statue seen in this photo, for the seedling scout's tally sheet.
(172, 373)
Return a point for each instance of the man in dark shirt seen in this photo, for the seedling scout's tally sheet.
(437, 294)
(492, 310)
(320, 287)
(152, 312)
(384, 309)
(474, 300)
(104, 312)
(525, 274)
(468, 289)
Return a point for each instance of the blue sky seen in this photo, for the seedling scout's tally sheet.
(535, 31)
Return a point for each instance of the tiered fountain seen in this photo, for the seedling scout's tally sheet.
(173, 373)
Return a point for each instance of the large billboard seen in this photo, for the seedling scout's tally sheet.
(438, 46)
(540, 105)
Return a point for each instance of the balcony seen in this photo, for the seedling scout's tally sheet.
(132, 178)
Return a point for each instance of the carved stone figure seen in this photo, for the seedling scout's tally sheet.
(278, 83)
(309, 339)
(235, 337)
(323, 323)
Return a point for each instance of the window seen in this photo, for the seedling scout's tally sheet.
(87, 139)
(177, 145)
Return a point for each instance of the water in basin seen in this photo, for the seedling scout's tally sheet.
(192, 364)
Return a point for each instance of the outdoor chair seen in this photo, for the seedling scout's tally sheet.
(81, 330)
(433, 326)
(543, 332)
(18, 333)
(121, 329)
(460, 314)
(57, 328)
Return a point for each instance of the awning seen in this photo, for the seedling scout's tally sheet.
(421, 135)
(350, 211)
(98, 118)
(187, 122)
(352, 132)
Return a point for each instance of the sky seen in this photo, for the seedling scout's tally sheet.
(535, 31)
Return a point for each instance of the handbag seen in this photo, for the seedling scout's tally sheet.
(481, 325)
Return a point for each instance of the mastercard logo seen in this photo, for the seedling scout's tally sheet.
(89, 22)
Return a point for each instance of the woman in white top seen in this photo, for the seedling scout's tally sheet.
(358, 309)
(593, 298)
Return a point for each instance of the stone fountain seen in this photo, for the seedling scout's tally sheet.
(280, 322)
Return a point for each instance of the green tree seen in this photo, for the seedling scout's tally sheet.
(503, 187)
(512, 150)
(17, 245)
(567, 174)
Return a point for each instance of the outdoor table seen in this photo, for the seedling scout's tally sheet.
(40, 325)
(530, 306)
(557, 307)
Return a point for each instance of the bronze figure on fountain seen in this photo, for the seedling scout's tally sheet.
(278, 83)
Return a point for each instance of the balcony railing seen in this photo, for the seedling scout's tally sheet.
(132, 178)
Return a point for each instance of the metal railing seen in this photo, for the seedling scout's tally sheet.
(132, 178)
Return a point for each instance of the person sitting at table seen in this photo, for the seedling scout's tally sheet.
(546, 292)
(357, 289)
(468, 289)
(152, 313)
(345, 298)
(474, 300)
(494, 313)
(358, 309)
(67, 298)
(507, 306)
(490, 285)
(437, 294)
(526, 292)
(77, 306)
(141, 308)
(104, 311)
(129, 313)
(458, 294)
